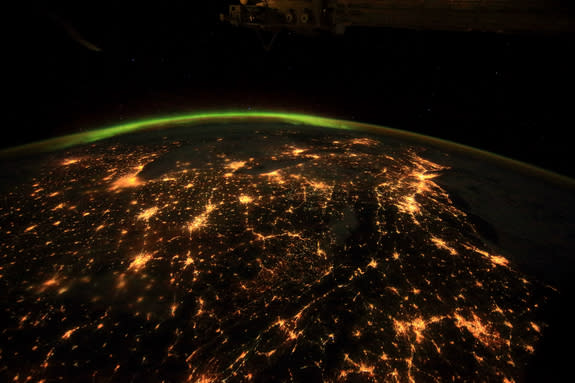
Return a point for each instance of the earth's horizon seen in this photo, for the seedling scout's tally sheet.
(212, 117)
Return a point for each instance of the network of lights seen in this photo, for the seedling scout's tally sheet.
(335, 258)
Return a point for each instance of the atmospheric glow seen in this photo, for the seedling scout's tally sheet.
(191, 119)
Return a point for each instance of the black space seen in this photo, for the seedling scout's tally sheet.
(510, 94)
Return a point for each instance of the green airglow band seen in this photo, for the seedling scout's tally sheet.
(71, 140)
(193, 119)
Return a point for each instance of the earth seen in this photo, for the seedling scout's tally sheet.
(275, 247)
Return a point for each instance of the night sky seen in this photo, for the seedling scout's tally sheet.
(503, 93)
